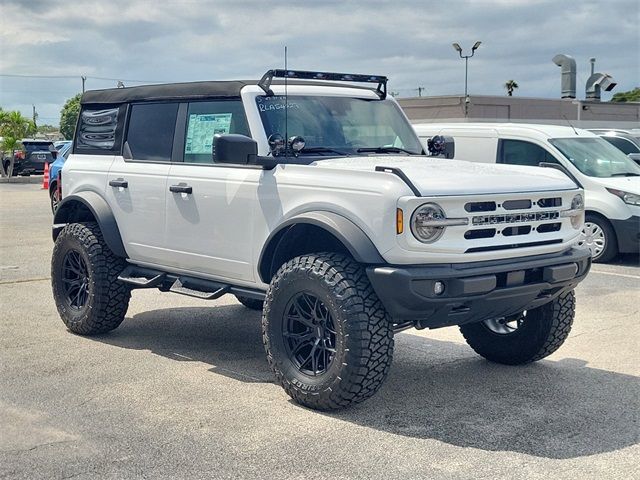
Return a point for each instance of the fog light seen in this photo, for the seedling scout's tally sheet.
(438, 288)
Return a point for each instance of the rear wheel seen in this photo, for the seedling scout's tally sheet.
(84, 277)
(54, 196)
(328, 338)
(526, 337)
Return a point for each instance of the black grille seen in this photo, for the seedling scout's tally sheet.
(480, 207)
(517, 204)
(513, 231)
(549, 227)
(512, 246)
(550, 202)
(481, 233)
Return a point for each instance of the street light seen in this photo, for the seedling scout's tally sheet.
(458, 49)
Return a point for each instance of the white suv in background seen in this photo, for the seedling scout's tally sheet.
(610, 179)
(315, 203)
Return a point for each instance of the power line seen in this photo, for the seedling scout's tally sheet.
(17, 75)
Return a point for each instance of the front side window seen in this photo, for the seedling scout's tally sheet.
(206, 119)
(595, 157)
(151, 130)
(519, 152)
(622, 144)
(342, 124)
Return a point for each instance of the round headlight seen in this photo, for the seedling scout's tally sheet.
(577, 204)
(422, 222)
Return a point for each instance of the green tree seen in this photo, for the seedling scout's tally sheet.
(69, 116)
(511, 85)
(47, 128)
(630, 96)
(14, 124)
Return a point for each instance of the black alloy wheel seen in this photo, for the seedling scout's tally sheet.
(75, 279)
(310, 334)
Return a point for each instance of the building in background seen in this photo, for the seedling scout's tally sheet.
(489, 108)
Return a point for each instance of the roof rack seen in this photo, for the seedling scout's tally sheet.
(267, 78)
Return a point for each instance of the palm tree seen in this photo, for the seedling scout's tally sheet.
(14, 124)
(511, 85)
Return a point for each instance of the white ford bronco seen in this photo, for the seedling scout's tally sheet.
(314, 202)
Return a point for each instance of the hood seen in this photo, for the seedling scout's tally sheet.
(439, 177)
(626, 184)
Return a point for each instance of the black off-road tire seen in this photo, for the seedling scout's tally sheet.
(541, 333)
(107, 297)
(252, 303)
(364, 333)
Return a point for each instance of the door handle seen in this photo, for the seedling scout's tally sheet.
(119, 182)
(181, 188)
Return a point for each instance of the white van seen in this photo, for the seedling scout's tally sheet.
(610, 179)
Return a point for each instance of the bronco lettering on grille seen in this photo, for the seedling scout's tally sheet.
(514, 218)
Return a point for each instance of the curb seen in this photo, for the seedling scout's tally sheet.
(33, 179)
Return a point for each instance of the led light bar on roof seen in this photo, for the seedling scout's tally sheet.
(267, 78)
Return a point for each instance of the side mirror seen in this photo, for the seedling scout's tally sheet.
(234, 148)
(54, 154)
(441, 146)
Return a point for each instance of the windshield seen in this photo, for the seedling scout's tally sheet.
(595, 157)
(343, 125)
(38, 146)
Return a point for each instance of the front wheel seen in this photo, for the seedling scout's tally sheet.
(328, 338)
(598, 236)
(526, 337)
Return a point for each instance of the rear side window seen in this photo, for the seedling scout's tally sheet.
(151, 130)
(518, 152)
(206, 119)
(100, 129)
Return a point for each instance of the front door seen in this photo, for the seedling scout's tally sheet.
(209, 206)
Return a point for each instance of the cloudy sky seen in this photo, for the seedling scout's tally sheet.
(143, 41)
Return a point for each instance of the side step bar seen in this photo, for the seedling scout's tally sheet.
(141, 277)
(205, 290)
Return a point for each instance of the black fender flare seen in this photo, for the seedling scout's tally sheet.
(359, 245)
(100, 210)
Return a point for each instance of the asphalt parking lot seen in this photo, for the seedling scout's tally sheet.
(182, 390)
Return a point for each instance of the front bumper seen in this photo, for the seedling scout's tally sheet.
(476, 291)
(628, 234)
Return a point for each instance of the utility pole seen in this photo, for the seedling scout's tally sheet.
(420, 90)
(35, 115)
(84, 79)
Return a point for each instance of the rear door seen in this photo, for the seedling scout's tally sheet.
(137, 179)
(209, 222)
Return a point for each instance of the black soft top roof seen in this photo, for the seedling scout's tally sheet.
(184, 91)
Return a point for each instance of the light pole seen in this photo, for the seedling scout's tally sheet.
(458, 49)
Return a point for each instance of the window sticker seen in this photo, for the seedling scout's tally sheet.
(201, 129)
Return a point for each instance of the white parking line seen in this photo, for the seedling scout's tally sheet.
(637, 277)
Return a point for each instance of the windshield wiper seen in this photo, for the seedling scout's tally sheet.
(383, 149)
(625, 174)
(321, 150)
